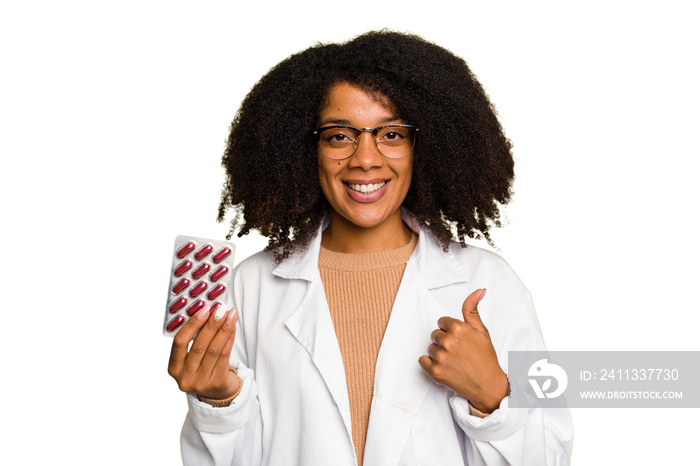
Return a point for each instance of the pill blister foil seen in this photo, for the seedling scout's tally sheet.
(200, 277)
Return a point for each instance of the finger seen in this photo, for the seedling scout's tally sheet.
(445, 323)
(470, 312)
(426, 364)
(430, 366)
(182, 339)
(200, 345)
(222, 364)
(214, 352)
(437, 335)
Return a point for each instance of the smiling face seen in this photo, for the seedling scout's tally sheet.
(366, 190)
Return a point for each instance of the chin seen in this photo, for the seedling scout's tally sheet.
(366, 219)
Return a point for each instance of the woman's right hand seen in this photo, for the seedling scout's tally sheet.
(204, 368)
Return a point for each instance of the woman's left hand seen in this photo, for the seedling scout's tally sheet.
(463, 359)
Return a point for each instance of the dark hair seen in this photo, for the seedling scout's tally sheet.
(463, 166)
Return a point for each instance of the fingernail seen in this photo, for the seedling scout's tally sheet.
(233, 316)
(203, 313)
(220, 313)
(482, 295)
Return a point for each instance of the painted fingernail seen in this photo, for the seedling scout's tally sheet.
(233, 316)
(220, 312)
(203, 313)
(483, 293)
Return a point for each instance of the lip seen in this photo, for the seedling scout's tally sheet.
(366, 197)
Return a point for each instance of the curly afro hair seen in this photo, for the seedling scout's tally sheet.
(463, 165)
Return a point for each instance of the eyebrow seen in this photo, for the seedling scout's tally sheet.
(342, 122)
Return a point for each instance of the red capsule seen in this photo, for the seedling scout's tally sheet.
(218, 273)
(186, 249)
(194, 307)
(201, 270)
(198, 288)
(175, 323)
(216, 291)
(214, 307)
(221, 255)
(182, 268)
(204, 250)
(177, 305)
(181, 285)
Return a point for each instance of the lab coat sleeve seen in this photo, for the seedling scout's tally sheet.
(516, 436)
(230, 435)
(224, 436)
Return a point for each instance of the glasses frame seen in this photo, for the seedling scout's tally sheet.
(317, 135)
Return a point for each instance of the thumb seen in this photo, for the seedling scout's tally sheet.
(470, 311)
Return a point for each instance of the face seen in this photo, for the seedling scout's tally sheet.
(368, 188)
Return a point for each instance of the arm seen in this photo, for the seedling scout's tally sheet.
(463, 358)
(230, 435)
(215, 435)
(515, 436)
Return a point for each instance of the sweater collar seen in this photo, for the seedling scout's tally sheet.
(437, 267)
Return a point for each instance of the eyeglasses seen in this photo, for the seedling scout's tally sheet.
(341, 142)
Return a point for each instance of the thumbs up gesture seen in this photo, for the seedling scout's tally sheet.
(462, 358)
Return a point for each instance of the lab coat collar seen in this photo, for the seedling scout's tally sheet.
(436, 273)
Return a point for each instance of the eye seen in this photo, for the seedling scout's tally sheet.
(393, 135)
(338, 136)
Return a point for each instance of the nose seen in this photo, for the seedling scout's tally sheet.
(366, 155)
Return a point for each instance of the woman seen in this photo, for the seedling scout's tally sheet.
(365, 333)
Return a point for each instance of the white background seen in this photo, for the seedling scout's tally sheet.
(113, 117)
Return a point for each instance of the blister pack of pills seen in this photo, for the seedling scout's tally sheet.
(200, 277)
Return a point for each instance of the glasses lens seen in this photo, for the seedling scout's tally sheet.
(338, 143)
(341, 142)
(395, 141)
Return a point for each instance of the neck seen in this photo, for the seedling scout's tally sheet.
(344, 236)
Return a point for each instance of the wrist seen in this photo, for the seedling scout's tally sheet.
(224, 397)
(493, 396)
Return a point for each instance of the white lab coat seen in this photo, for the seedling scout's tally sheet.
(293, 408)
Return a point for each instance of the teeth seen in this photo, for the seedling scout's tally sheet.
(367, 188)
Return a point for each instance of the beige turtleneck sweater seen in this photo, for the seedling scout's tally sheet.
(360, 289)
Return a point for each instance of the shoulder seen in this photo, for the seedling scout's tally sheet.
(478, 262)
(261, 264)
(471, 256)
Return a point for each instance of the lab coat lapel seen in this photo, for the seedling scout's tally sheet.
(312, 326)
(400, 384)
